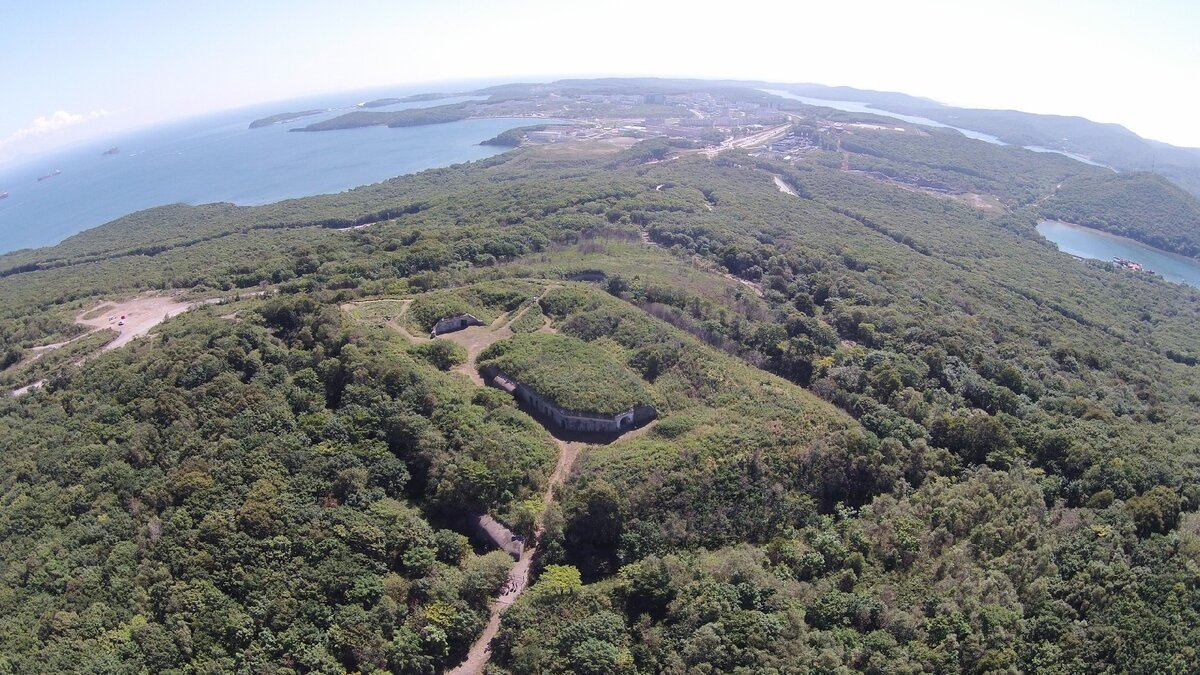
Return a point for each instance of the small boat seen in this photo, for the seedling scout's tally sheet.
(3, 195)
(111, 151)
(52, 174)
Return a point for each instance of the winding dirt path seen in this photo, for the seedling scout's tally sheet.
(518, 579)
(476, 339)
(783, 187)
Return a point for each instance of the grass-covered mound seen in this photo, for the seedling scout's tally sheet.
(485, 301)
(530, 320)
(574, 374)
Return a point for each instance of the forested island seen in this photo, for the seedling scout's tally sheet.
(415, 98)
(283, 117)
(410, 117)
(897, 430)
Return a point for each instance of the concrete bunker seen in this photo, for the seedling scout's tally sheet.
(453, 323)
(587, 275)
(571, 384)
(570, 420)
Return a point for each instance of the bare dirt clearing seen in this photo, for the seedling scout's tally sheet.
(583, 149)
(129, 319)
(27, 388)
(139, 315)
(783, 187)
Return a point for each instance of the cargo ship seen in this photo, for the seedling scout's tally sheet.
(111, 151)
(52, 174)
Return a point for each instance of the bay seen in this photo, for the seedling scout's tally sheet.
(1085, 242)
(218, 158)
(860, 107)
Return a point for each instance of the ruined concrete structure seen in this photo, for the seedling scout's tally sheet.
(502, 537)
(452, 323)
(571, 420)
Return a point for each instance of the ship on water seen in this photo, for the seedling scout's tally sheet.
(3, 195)
(111, 151)
(1128, 264)
(52, 174)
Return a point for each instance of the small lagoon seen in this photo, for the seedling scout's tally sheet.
(1085, 242)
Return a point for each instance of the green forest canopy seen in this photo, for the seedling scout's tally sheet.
(932, 444)
(1142, 206)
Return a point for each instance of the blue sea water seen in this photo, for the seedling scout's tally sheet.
(218, 158)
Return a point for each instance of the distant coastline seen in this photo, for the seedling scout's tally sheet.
(284, 117)
(230, 163)
(415, 98)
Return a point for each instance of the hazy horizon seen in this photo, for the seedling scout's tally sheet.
(94, 71)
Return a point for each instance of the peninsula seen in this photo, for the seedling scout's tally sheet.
(284, 117)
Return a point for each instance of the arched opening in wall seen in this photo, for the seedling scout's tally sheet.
(626, 422)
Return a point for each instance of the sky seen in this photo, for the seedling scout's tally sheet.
(76, 70)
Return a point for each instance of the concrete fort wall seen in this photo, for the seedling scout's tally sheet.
(453, 323)
(570, 419)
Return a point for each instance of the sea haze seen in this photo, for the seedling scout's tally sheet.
(218, 158)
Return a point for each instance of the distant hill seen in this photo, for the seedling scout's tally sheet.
(1140, 205)
(1110, 144)
(400, 118)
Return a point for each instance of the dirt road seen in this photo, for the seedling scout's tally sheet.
(518, 579)
(783, 187)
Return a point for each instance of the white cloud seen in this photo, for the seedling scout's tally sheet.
(53, 123)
